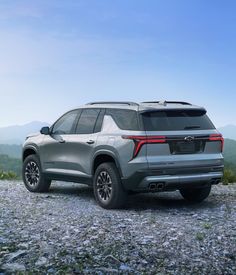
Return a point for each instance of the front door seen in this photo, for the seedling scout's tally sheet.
(57, 153)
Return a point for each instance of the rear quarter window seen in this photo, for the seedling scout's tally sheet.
(125, 119)
(176, 120)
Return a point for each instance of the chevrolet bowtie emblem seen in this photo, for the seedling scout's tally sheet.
(189, 139)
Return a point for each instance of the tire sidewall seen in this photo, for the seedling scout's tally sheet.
(35, 159)
(113, 201)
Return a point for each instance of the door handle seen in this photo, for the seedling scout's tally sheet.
(90, 141)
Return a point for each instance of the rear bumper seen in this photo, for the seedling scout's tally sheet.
(174, 178)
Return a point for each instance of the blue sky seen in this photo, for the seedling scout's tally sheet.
(56, 55)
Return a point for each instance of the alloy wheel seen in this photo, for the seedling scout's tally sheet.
(32, 173)
(104, 186)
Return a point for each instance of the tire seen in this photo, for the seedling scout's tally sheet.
(32, 175)
(196, 194)
(107, 186)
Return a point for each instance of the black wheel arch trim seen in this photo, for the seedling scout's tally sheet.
(109, 153)
(30, 147)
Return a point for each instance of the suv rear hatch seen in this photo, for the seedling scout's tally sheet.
(183, 139)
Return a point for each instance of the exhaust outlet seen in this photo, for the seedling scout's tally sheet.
(160, 186)
(152, 187)
(156, 187)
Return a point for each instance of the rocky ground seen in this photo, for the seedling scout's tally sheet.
(66, 232)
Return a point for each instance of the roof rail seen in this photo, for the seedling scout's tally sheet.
(168, 102)
(114, 102)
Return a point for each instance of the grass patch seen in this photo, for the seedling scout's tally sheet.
(229, 176)
(207, 225)
(8, 176)
(200, 236)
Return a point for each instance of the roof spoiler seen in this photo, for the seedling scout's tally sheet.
(197, 109)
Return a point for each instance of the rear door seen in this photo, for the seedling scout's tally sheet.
(181, 138)
(83, 141)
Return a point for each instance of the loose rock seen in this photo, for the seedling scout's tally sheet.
(66, 232)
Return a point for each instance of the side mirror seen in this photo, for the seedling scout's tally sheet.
(45, 131)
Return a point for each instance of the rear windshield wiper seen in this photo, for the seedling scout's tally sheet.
(192, 127)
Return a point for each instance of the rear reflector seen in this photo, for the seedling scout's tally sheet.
(217, 137)
(139, 141)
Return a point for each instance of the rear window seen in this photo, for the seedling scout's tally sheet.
(125, 119)
(177, 120)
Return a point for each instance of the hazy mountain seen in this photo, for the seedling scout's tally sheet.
(16, 134)
(228, 131)
(11, 150)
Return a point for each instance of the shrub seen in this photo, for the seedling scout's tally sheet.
(8, 175)
(229, 176)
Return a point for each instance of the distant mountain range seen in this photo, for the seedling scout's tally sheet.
(16, 134)
(228, 131)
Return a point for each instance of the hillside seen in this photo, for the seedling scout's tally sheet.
(8, 164)
(230, 153)
(16, 134)
(13, 151)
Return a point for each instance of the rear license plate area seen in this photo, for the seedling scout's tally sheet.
(183, 147)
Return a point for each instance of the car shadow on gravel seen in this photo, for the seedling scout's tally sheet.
(142, 201)
(83, 191)
(165, 201)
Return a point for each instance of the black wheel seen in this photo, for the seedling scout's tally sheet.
(32, 175)
(196, 194)
(108, 189)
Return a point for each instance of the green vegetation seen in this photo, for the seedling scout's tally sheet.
(200, 236)
(230, 152)
(230, 161)
(207, 225)
(10, 168)
(229, 176)
(8, 176)
(13, 150)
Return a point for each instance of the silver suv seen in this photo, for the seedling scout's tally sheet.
(124, 147)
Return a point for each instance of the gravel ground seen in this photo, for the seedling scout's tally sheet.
(66, 232)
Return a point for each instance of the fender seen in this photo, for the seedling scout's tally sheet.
(109, 153)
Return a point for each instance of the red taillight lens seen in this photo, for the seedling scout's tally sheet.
(217, 137)
(139, 141)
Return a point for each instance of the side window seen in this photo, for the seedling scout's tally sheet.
(125, 119)
(65, 124)
(87, 121)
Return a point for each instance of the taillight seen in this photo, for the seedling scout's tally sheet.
(217, 137)
(139, 141)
